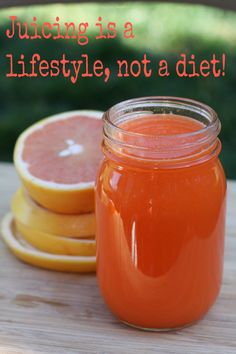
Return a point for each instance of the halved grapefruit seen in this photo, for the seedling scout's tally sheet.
(32, 215)
(57, 159)
(31, 255)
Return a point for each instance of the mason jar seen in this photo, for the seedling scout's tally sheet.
(160, 212)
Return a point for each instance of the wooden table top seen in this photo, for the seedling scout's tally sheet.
(57, 313)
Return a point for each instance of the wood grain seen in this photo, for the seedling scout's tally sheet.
(223, 4)
(43, 312)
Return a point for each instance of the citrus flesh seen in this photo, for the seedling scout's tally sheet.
(57, 159)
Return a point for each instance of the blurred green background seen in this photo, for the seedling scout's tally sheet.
(161, 30)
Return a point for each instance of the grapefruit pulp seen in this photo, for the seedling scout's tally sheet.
(57, 159)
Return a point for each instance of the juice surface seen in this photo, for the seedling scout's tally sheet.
(160, 233)
(162, 124)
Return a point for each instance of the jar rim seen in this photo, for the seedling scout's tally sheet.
(175, 148)
(214, 123)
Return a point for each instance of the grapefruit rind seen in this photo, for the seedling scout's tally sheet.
(32, 215)
(61, 198)
(32, 256)
(57, 245)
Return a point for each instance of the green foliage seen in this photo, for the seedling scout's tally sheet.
(162, 32)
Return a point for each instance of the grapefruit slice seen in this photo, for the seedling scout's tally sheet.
(57, 245)
(57, 159)
(31, 255)
(32, 215)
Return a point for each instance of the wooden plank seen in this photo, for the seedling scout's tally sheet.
(226, 4)
(43, 312)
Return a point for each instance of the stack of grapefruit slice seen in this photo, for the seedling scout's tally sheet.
(52, 223)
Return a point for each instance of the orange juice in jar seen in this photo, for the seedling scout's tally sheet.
(160, 209)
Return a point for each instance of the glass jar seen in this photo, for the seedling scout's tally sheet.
(160, 211)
